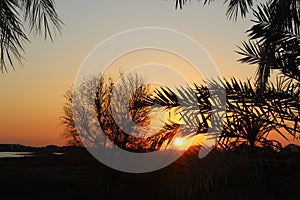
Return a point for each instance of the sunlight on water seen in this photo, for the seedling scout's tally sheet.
(15, 154)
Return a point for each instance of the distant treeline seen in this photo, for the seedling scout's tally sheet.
(23, 148)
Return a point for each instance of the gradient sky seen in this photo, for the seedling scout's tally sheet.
(32, 96)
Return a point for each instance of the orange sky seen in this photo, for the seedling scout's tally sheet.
(32, 96)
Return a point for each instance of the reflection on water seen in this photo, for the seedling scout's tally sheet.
(58, 153)
(15, 154)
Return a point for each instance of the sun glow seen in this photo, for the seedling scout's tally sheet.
(178, 142)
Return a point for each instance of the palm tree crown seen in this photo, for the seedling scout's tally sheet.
(274, 41)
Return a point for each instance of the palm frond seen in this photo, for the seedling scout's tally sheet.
(274, 39)
(39, 14)
(12, 34)
(42, 16)
(252, 53)
(237, 7)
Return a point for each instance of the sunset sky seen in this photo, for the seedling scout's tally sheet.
(32, 96)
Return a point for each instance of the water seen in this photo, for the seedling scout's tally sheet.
(15, 154)
(58, 153)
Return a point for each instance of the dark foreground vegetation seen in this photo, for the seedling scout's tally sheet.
(238, 174)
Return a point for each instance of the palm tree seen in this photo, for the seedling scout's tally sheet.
(40, 17)
(274, 41)
(247, 120)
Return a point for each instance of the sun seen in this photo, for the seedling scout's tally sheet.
(178, 141)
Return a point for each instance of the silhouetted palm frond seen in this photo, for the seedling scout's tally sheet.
(278, 111)
(41, 17)
(235, 7)
(252, 53)
(11, 35)
(274, 40)
(238, 6)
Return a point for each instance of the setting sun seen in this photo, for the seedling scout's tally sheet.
(178, 141)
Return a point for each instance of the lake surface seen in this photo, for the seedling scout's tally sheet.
(15, 154)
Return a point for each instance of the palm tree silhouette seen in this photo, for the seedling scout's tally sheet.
(41, 18)
(251, 121)
(247, 120)
(274, 41)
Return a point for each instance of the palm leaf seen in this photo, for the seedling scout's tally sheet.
(39, 14)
